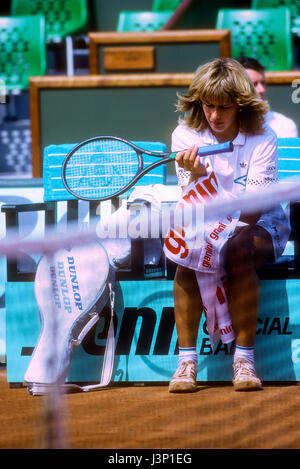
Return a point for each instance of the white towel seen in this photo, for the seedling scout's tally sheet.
(197, 244)
(215, 305)
(113, 229)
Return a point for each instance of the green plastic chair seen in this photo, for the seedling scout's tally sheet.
(62, 19)
(198, 15)
(23, 51)
(165, 5)
(262, 34)
(293, 5)
(142, 21)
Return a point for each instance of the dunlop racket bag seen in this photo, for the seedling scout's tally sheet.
(72, 286)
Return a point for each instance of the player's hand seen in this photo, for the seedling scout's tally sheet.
(189, 160)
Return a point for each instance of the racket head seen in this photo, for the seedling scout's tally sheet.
(101, 168)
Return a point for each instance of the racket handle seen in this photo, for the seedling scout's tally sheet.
(218, 148)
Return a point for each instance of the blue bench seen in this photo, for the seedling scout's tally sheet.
(55, 193)
(288, 266)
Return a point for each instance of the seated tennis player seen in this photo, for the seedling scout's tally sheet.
(221, 105)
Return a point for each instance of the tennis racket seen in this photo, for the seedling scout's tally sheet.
(101, 168)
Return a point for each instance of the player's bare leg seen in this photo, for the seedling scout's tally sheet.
(188, 309)
(188, 306)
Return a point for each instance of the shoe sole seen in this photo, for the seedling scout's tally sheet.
(182, 387)
(247, 386)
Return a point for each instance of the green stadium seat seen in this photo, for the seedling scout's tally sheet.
(23, 54)
(23, 51)
(196, 15)
(165, 5)
(263, 34)
(142, 21)
(293, 5)
(62, 19)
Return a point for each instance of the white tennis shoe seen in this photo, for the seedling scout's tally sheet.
(245, 378)
(185, 378)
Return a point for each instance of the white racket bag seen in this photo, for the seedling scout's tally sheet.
(71, 288)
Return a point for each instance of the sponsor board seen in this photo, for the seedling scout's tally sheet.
(146, 340)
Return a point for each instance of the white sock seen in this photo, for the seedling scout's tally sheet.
(244, 352)
(187, 353)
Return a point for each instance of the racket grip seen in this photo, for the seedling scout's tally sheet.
(213, 149)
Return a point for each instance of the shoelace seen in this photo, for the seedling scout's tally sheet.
(243, 369)
(185, 369)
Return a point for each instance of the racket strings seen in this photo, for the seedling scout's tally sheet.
(100, 168)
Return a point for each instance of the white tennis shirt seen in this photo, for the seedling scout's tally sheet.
(252, 166)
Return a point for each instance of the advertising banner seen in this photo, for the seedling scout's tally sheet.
(145, 335)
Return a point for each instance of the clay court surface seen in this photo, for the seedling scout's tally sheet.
(147, 417)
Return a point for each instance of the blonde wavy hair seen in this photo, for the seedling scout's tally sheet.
(220, 82)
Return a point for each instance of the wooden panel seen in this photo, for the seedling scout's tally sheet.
(129, 58)
(131, 37)
(156, 38)
(138, 82)
(281, 78)
(63, 85)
